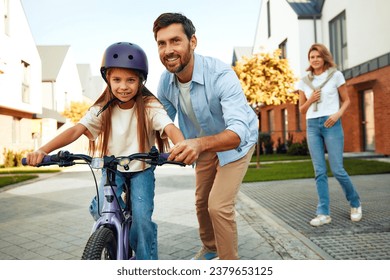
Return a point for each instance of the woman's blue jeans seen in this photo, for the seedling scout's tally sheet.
(143, 231)
(319, 137)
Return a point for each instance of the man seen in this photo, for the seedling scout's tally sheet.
(219, 126)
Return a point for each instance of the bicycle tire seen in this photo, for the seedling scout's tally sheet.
(101, 245)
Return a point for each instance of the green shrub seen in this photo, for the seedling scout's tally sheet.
(12, 158)
(266, 143)
(281, 147)
(298, 149)
(8, 158)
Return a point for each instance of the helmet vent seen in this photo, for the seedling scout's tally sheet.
(130, 57)
(115, 55)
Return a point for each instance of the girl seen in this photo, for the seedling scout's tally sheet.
(323, 97)
(125, 119)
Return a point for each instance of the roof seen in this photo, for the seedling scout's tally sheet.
(240, 52)
(307, 9)
(52, 58)
(50, 114)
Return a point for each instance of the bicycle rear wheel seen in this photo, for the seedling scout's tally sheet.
(101, 245)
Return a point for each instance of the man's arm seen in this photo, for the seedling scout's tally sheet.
(188, 151)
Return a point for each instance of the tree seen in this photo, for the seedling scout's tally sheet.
(267, 79)
(76, 111)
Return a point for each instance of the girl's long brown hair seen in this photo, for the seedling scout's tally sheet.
(143, 98)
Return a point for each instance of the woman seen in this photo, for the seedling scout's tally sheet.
(323, 97)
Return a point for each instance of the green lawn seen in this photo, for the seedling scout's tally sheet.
(28, 169)
(299, 170)
(9, 180)
(291, 168)
(278, 157)
(15, 175)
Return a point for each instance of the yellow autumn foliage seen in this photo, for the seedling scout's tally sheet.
(267, 79)
(76, 111)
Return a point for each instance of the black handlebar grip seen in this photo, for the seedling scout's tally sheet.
(164, 155)
(45, 159)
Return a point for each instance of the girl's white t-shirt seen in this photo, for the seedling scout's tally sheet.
(123, 140)
(330, 100)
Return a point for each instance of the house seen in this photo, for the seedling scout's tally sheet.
(20, 80)
(356, 32)
(61, 85)
(37, 83)
(92, 86)
(241, 52)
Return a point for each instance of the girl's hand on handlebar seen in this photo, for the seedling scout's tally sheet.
(36, 157)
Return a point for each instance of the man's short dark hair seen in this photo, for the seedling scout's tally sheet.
(167, 19)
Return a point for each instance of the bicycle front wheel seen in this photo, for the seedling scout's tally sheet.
(101, 245)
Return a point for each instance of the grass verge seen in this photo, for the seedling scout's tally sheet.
(9, 176)
(301, 170)
(28, 169)
(9, 180)
(278, 157)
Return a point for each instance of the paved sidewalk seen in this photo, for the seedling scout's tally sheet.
(49, 220)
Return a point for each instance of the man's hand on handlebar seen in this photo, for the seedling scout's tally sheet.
(186, 151)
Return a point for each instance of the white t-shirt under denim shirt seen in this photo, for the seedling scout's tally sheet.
(330, 100)
(123, 140)
(186, 106)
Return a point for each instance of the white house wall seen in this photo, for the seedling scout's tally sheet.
(306, 37)
(367, 30)
(368, 23)
(285, 25)
(48, 100)
(282, 24)
(68, 85)
(16, 46)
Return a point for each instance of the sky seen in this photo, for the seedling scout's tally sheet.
(90, 26)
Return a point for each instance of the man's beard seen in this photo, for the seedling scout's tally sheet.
(183, 65)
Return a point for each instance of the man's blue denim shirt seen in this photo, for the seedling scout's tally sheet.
(218, 101)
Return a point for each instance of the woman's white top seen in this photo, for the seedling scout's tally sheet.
(330, 100)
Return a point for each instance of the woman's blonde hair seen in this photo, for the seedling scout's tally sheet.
(142, 99)
(325, 54)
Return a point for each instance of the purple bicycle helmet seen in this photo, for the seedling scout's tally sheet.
(124, 55)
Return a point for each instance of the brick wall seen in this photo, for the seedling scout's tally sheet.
(378, 81)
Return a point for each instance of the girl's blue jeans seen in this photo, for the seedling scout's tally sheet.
(143, 231)
(319, 137)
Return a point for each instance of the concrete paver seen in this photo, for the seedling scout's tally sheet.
(49, 219)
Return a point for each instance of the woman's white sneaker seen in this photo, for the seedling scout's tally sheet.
(320, 220)
(356, 214)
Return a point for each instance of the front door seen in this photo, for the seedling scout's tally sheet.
(368, 122)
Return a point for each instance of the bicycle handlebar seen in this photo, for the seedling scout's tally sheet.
(65, 158)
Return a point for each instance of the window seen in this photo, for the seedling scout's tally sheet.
(270, 121)
(284, 125)
(283, 48)
(269, 19)
(298, 117)
(338, 41)
(16, 130)
(6, 16)
(25, 82)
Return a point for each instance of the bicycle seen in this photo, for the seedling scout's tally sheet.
(109, 239)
